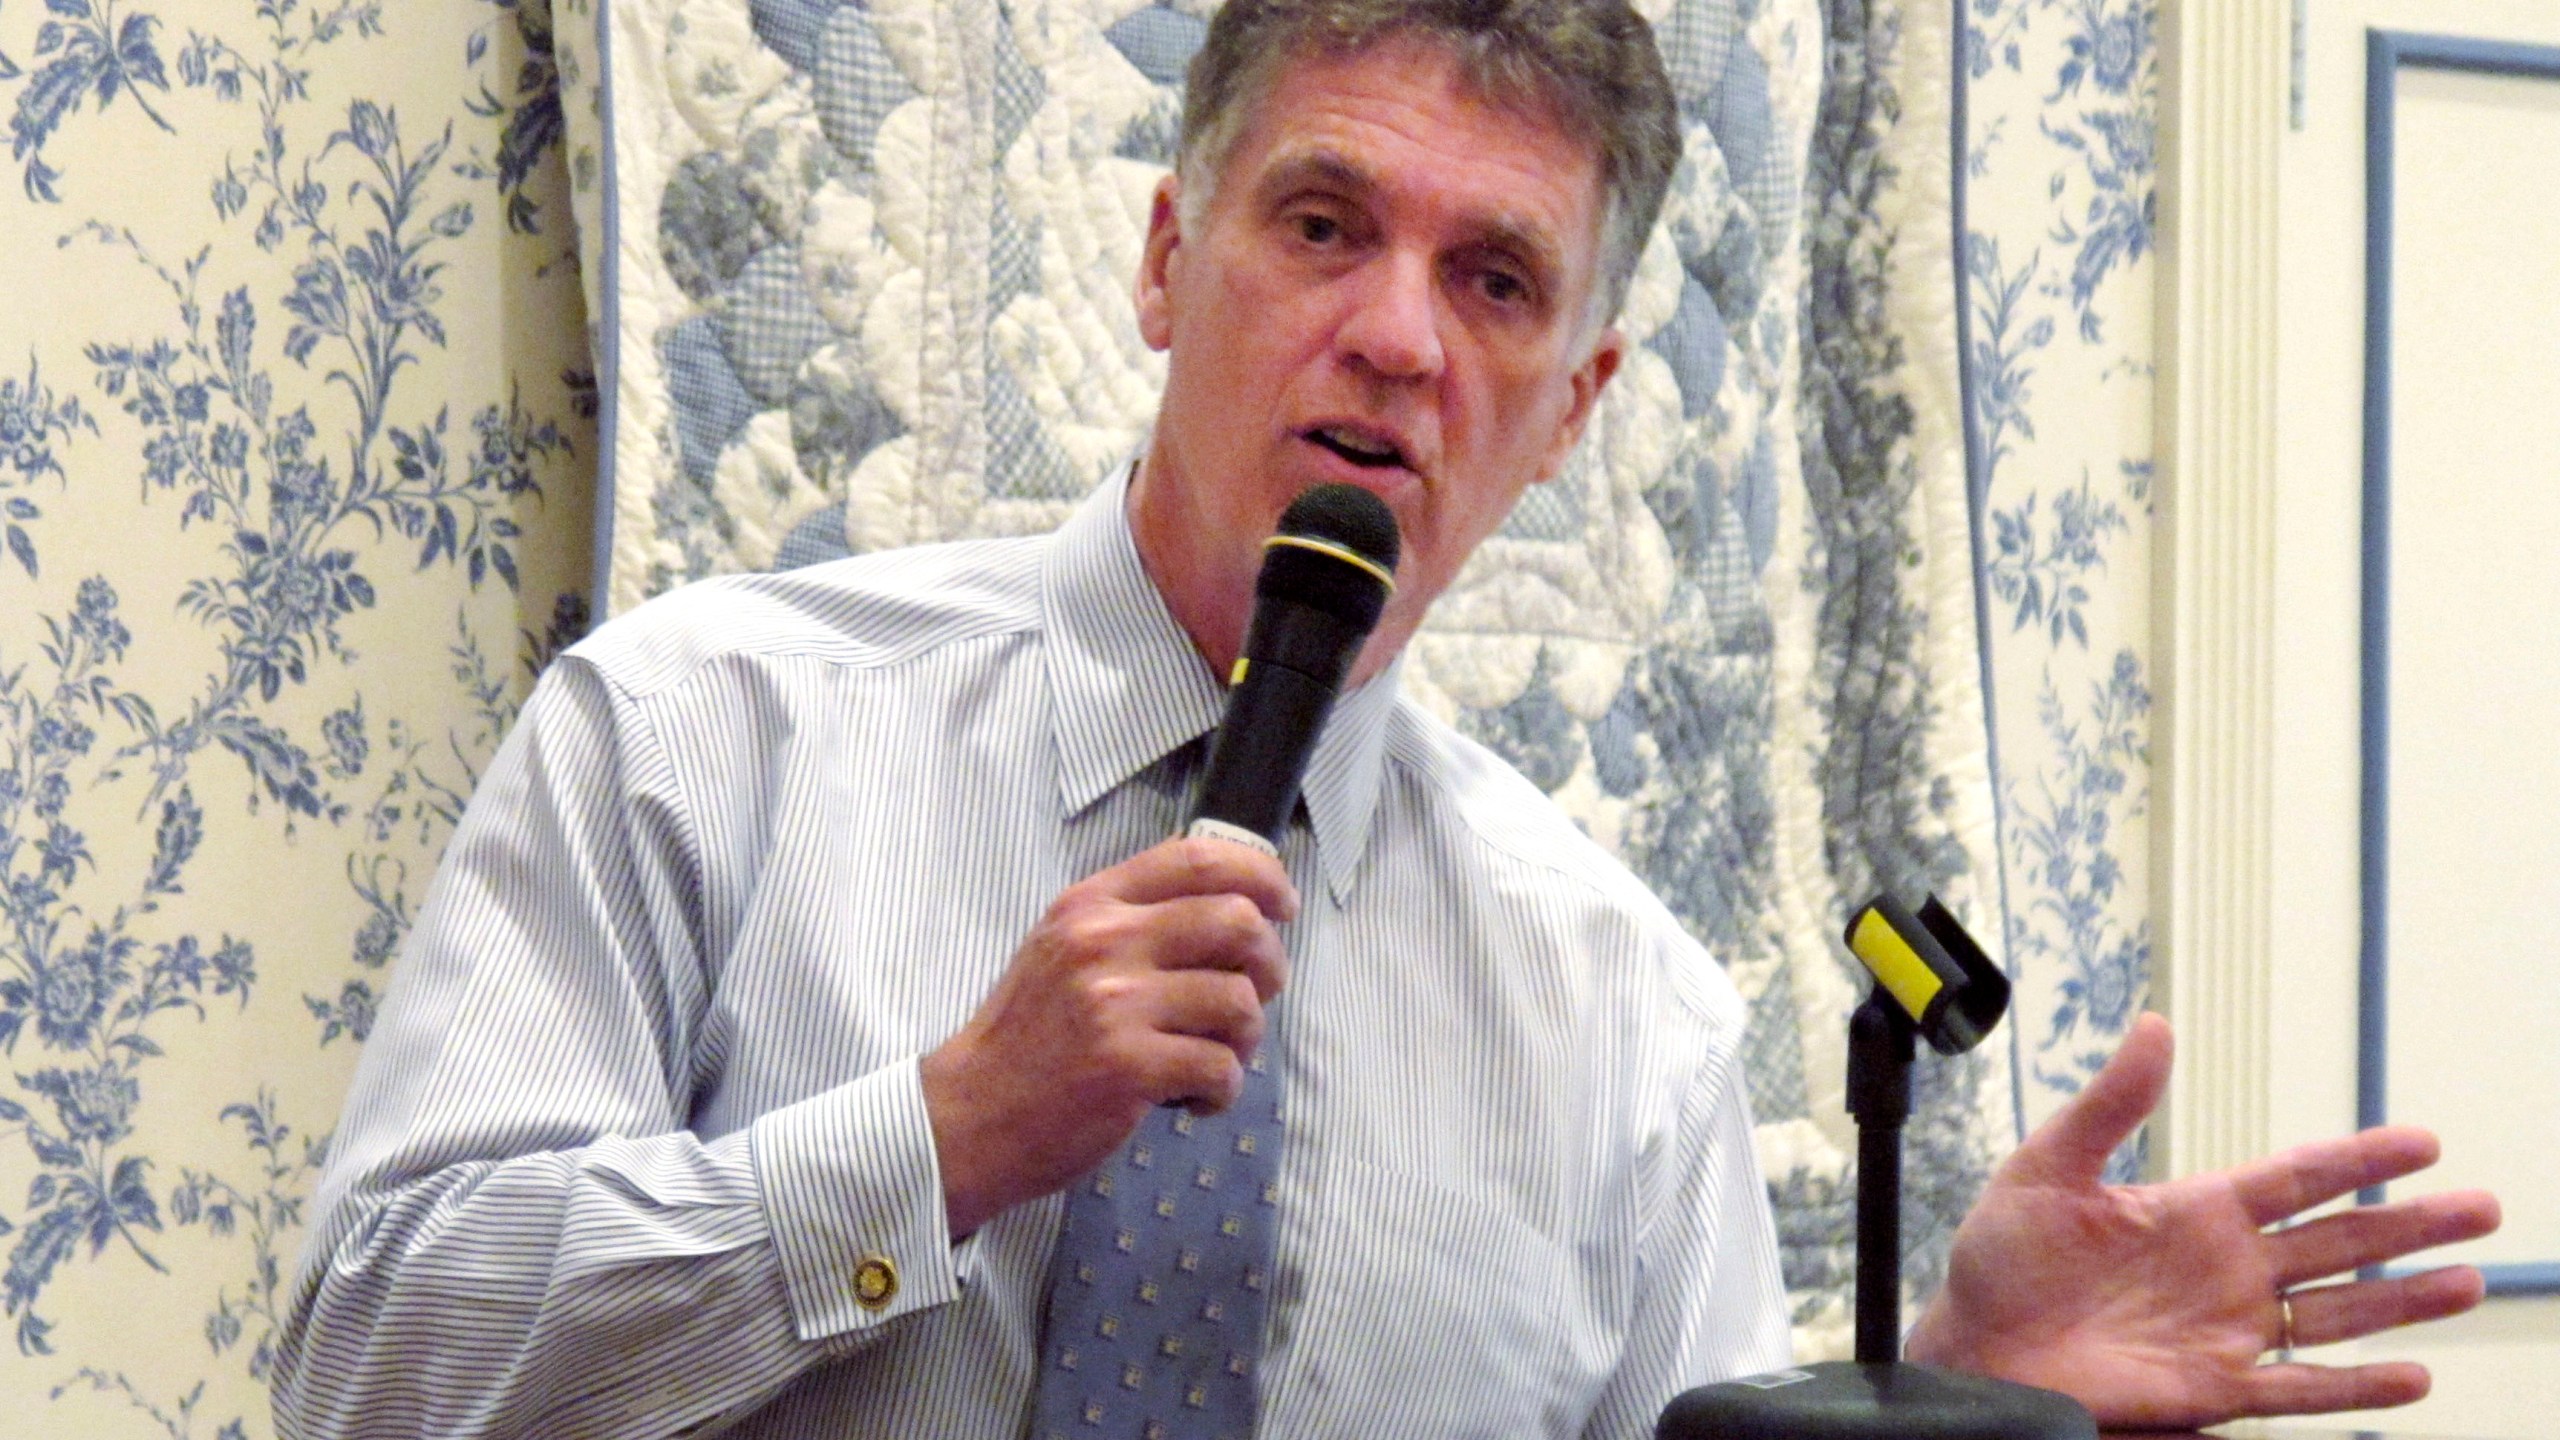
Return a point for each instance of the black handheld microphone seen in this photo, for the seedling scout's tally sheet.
(1326, 574)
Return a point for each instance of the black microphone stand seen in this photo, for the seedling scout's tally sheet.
(1881, 1048)
(1879, 1395)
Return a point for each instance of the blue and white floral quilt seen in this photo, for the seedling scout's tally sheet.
(858, 277)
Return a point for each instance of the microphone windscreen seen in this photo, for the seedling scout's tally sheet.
(1335, 550)
(1349, 517)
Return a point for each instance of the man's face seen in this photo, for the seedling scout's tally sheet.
(1391, 287)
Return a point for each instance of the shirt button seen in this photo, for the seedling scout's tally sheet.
(875, 1282)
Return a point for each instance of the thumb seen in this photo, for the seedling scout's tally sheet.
(2071, 1149)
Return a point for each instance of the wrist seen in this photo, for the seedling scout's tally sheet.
(966, 1199)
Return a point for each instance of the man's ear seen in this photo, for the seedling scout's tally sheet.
(1156, 265)
(1588, 379)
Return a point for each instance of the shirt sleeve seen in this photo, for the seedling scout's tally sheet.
(1710, 1302)
(516, 1233)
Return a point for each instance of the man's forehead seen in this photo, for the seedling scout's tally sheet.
(1425, 64)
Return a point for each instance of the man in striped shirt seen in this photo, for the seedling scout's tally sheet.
(812, 932)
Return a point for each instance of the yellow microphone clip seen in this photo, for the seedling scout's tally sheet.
(1937, 974)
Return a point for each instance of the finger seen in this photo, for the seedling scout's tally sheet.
(1203, 1076)
(1183, 866)
(2290, 1389)
(2072, 1147)
(2289, 1182)
(2372, 1234)
(2326, 1314)
(1210, 1006)
(1216, 932)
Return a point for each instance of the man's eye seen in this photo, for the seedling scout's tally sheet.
(1319, 229)
(1503, 288)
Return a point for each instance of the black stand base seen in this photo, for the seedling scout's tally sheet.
(1843, 1400)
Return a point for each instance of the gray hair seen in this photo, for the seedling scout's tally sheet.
(1589, 64)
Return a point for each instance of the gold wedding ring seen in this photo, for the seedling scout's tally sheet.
(2284, 1311)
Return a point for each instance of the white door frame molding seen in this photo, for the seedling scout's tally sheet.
(2226, 95)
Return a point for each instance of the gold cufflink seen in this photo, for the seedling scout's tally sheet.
(875, 1282)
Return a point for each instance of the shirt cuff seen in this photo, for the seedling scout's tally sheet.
(852, 1194)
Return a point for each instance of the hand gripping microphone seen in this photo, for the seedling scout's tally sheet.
(1326, 574)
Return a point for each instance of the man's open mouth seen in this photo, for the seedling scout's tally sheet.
(1366, 451)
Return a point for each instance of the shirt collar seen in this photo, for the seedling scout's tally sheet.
(1126, 687)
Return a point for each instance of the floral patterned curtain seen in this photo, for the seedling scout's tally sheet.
(2058, 284)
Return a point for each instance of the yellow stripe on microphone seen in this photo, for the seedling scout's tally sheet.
(1343, 553)
(1895, 964)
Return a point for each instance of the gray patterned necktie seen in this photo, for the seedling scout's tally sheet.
(1157, 1299)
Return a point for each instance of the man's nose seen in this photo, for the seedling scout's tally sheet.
(1393, 329)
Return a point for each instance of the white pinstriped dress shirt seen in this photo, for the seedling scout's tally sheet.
(637, 1144)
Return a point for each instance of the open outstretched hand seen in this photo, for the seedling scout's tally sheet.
(2154, 1304)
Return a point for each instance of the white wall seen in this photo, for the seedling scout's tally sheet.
(2475, 782)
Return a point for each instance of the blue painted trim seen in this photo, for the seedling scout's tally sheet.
(2373, 827)
(2524, 1277)
(2464, 52)
(2530, 1278)
(1977, 491)
(2386, 53)
(607, 335)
